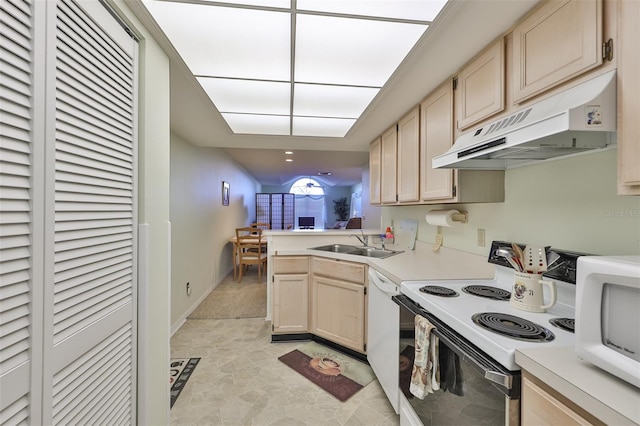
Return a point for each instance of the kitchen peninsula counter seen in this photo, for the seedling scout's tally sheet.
(601, 394)
(422, 263)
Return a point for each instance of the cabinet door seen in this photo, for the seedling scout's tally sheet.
(436, 137)
(542, 407)
(290, 303)
(559, 41)
(408, 157)
(337, 311)
(374, 171)
(388, 169)
(628, 95)
(481, 86)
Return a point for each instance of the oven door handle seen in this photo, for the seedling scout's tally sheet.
(499, 378)
(502, 379)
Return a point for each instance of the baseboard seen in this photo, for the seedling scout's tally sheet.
(183, 318)
(275, 338)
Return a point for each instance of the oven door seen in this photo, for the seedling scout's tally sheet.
(476, 390)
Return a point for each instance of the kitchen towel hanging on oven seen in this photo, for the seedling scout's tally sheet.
(425, 377)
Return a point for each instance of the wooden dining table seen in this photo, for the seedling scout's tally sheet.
(234, 240)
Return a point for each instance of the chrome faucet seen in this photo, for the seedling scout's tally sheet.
(364, 240)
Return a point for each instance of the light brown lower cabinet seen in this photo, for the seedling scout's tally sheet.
(290, 305)
(542, 405)
(338, 301)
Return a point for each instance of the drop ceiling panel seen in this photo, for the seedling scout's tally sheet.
(248, 96)
(226, 41)
(258, 124)
(320, 100)
(424, 10)
(322, 127)
(353, 52)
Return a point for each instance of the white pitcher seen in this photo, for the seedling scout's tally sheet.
(527, 292)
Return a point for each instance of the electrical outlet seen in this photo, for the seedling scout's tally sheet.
(188, 289)
(481, 237)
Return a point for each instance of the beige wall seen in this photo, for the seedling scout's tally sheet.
(200, 225)
(568, 203)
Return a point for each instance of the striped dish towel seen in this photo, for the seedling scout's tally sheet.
(424, 376)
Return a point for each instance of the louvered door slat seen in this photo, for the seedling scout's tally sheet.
(83, 386)
(15, 203)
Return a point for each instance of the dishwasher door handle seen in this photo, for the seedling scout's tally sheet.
(383, 283)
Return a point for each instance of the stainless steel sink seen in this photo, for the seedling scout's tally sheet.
(373, 252)
(357, 251)
(336, 248)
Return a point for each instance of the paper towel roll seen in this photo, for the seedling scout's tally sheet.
(443, 217)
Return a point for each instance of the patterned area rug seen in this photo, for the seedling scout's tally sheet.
(180, 369)
(335, 372)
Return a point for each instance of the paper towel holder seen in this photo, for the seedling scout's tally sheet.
(457, 216)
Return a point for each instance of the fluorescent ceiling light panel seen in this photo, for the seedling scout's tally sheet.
(348, 51)
(319, 100)
(285, 4)
(258, 124)
(226, 41)
(248, 96)
(323, 127)
(240, 51)
(422, 10)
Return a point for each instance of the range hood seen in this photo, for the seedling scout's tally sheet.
(577, 120)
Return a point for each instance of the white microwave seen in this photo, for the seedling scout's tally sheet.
(607, 324)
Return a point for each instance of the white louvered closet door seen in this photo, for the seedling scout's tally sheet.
(68, 277)
(16, 200)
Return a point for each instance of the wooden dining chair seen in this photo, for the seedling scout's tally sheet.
(261, 225)
(250, 251)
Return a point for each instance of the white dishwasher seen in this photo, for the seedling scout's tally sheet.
(383, 339)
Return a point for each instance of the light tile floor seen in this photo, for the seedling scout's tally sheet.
(240, 381)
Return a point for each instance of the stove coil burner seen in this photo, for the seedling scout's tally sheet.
(436, 290)
(566, 324)
(514, 327)
(489, 292)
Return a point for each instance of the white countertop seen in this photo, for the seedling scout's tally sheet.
(422, 263)
(608, 398)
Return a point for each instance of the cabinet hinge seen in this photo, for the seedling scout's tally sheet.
(455, 188)
(607, 50)
(455, 83)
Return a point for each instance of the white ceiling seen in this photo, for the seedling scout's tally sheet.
(463, 28)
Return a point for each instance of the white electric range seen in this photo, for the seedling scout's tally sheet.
(458, 311)
(479, 381)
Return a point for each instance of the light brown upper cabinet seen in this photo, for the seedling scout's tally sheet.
(408, 157)
(436, 137)
(480, 86)
(628, 98)
(375, 155)
(389, 166)
(557, 42)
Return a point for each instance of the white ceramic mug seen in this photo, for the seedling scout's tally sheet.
(527, 293)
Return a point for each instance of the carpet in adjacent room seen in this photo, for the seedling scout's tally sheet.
(231, 299)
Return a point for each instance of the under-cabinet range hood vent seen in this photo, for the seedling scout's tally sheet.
(579, 119)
